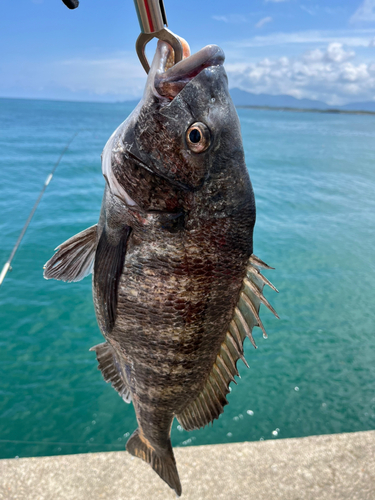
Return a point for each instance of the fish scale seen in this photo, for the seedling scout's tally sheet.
(176, 286)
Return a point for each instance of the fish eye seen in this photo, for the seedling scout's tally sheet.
(194, 135)
(198, 137)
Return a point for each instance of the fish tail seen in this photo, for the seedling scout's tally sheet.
(163, 463)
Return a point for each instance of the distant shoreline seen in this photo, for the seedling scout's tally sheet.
(308, 110)
(239, 106)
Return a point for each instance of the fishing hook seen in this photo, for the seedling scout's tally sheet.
(153, 23)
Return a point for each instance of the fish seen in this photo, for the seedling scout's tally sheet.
(176, 285)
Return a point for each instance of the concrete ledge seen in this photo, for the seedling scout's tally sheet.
(331, 467)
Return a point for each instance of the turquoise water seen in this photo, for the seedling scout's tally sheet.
(314, 181)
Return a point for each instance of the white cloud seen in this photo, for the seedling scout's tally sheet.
(364, 13)
(330, 75)
(309, 10)
(263, 21)
(336, 53)
(330, 71)
(316, 9)
(231, 18)
(350, 38)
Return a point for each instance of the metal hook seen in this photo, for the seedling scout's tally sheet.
(153, 21)
(164, 34)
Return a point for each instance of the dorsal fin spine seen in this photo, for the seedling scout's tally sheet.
(258, 262)
(214, 395)
(188, 421)
(230, 357)
(205, 407)
(183, 421)
(222, 362)
(242, 319)
(233, 328)
(200, 408)
(197, 414)
(217, 370)
(215, 411)
(254, 311)
(207, 400)
(222, 392)
(234, 344)
(252, 286)
(192, 417)
(254, 271)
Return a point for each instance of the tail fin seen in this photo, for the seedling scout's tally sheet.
(164, 465)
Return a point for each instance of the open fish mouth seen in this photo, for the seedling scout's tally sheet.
(168, 79)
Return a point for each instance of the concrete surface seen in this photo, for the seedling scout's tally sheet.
(332, 467)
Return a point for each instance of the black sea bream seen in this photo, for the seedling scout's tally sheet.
(176, 285)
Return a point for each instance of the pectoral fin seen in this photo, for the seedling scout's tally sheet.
(109, 262)
(74, 258)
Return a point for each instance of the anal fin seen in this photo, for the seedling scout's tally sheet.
(113, 369)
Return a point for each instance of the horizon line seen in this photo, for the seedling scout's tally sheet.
(260, 106)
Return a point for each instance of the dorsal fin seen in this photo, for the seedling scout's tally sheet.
(212, 399)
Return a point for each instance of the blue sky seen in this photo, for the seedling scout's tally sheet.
(305, 48)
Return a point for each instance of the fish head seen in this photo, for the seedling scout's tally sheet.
(184, 130)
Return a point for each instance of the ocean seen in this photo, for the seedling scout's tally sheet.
(314, 180)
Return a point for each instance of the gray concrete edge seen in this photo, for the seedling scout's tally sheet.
(340, 466)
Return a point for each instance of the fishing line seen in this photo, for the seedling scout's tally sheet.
(22, 234)
(52, 443)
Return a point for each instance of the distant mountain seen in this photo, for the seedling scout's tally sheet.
(359, 106)
(243, 98)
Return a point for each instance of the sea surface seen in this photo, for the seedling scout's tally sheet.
(314, 180)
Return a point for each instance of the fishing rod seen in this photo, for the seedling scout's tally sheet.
(7, 267)
(153, 23)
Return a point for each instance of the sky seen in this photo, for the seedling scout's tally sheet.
(316, 49)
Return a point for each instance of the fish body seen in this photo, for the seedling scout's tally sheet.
(175, 284)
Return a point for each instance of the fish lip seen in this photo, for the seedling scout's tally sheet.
(210, 55)
(169, 83)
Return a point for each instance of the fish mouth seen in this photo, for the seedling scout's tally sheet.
(168, 79)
